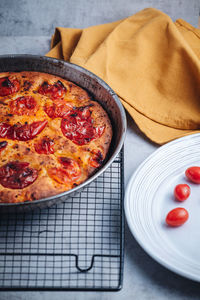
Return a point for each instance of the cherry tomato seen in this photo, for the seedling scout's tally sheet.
(177, 216)
(96, 158)
(193, 174)
(98, 131)
(29, 131)
(25, 105)
(8, 86)
(58, 109)
(59, 175)
(54, 91)
(4, 128)
(45, 146)
(182, 192)
(68, 173)
(71, 167)
(77, 126)
(27, 84)
(22, 132)
(17, 175)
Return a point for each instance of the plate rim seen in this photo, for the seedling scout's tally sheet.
(134, 232)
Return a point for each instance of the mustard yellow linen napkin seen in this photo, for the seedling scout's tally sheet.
(152, 63)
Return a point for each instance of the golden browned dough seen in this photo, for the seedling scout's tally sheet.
(24, 151)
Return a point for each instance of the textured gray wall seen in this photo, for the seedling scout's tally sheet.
(40, 17)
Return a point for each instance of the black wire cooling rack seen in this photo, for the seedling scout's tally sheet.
(76, 245)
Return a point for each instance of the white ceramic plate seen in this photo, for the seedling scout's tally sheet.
(149, 197)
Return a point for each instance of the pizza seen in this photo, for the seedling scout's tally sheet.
(53, 136)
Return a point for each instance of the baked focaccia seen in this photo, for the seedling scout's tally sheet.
(53, 136)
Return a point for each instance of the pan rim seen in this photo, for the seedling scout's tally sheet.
(116, 150)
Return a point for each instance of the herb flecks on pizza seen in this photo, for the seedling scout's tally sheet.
(53, 136)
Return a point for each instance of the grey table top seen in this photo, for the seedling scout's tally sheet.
(26, 27)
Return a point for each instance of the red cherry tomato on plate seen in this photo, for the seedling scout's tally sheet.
(177, 217)
(182, 192)
(193, 174)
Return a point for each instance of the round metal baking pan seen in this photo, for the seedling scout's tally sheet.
(99, 90)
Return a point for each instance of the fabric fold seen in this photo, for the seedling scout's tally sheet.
(151, 62)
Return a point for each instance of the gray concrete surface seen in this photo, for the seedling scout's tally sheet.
(40, 17)
(28, 30)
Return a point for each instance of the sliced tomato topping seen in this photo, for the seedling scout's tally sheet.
(17, 175)
(8, 86)
(3, 145)
(27, 84)
(45, 146)
(26, 132)
(58, 109)
(71, 167)
(98, 131)
(77, 125)
(59, 175)
(96, 159)
(4, 127)
(53, 91)
(26, 105)
(68, 173)
(22, 132)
